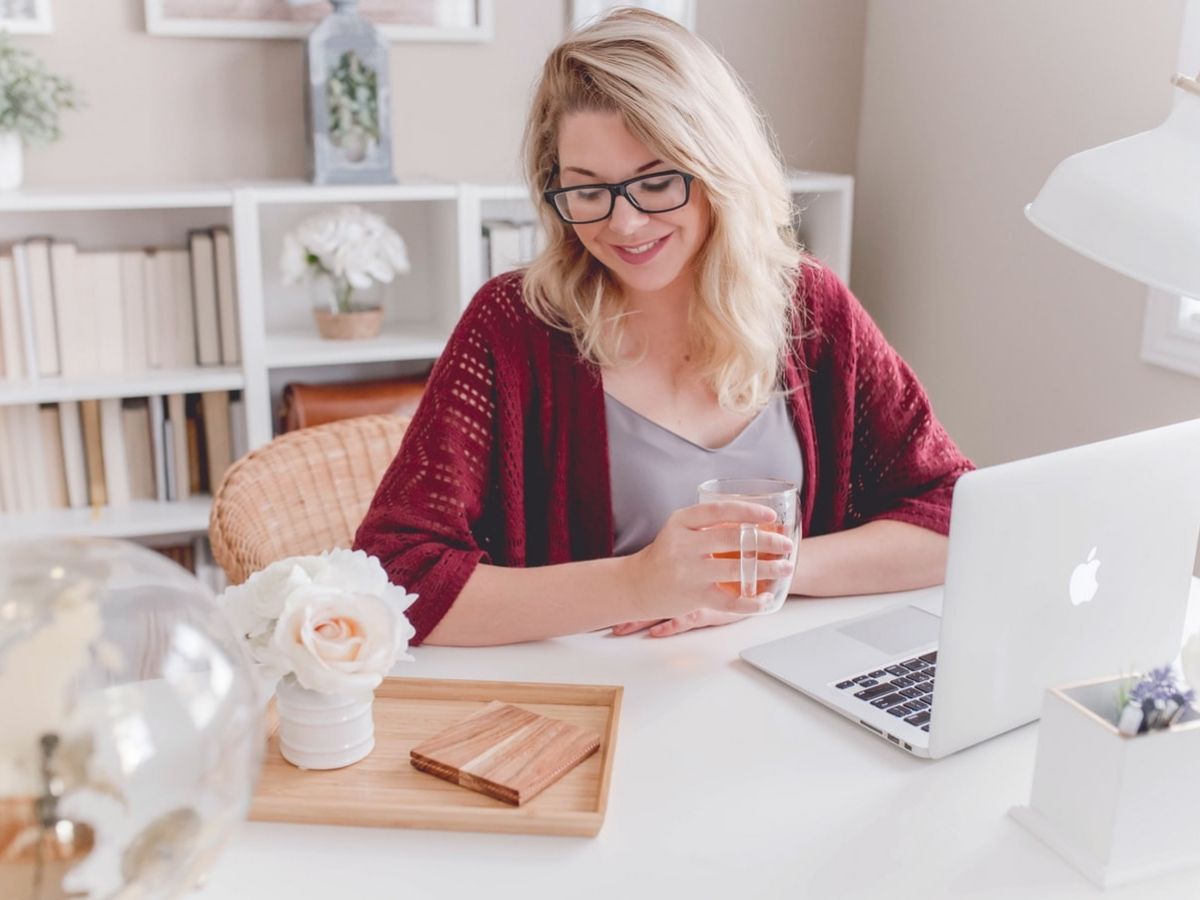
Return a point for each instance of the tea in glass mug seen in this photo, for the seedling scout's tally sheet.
(776, 494)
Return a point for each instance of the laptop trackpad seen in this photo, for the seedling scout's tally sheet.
(897, 631)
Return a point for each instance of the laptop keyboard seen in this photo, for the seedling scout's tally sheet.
(904, 689)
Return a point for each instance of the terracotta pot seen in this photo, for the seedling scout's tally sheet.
(349, 326)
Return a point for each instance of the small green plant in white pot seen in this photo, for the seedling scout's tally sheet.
(31, 99)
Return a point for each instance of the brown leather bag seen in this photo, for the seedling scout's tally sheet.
(305, 405)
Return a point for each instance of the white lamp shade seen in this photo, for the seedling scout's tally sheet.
(1133, 205)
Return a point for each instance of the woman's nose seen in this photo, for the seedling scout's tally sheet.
(626, 218)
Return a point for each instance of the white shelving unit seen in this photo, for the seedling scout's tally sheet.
(440, 223)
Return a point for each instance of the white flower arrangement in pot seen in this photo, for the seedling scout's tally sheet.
(341, 252)
(327, 628)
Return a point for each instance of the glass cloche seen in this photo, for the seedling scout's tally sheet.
(132, 733)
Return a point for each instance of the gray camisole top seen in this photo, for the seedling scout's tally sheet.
(653, 471)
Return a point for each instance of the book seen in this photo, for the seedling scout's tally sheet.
(195, 445)
(139, 448)
(52, 458)
(74, 455)
(184, 303)
(93, 442)
(504, 242)
(218, 441)
(109, 312)
(41, 304)
(34, 462)
(176, 329)
(10, 322)
(177, 447)
(204, 295)
(133, 310)
(239, 439)
(152, 305)
(505, 751)
(116, 465)
(170, 466)
(231, 341)
(158, 443)
(74, 314)
(15, 462)
(25, 309)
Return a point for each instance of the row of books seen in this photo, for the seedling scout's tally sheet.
(110, 452)
(196, 556)
(67, 312)
(508, 245)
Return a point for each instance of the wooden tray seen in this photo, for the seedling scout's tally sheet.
(385, 790)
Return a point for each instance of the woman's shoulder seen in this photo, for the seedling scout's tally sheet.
(499, 310)
(819, 291)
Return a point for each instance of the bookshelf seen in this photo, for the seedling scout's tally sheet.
(441, 224)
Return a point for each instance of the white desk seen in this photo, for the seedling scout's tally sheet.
(726, 784)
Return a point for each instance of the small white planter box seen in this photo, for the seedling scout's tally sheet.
(1117, 808)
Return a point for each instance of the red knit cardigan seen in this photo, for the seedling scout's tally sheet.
(506, 460)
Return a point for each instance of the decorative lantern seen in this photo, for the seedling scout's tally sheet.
(348, 104)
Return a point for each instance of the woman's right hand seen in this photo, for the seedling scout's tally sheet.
(677, 572)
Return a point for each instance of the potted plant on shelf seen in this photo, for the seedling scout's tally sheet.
(344, 254)
(31, 99)
(323, 631)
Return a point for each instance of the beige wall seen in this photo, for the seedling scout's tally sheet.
(173, 109)
(967, 106)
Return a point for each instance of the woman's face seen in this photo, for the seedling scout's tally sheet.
(644, 251)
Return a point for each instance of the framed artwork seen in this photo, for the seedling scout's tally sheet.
(398, 20)
(682, 11)
(25, 16)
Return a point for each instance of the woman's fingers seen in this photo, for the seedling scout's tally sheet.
(723, 512)
(633, 627)
(700, 618)
(730, 570)
(728, 539)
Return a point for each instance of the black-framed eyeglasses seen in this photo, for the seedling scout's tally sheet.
(657, 192)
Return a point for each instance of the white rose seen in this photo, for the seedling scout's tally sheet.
(1191, 663)
(349, 242)
(336, 641)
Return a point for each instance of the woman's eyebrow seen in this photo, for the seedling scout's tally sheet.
(637, 171)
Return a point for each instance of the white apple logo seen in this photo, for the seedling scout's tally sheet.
(1083, 580)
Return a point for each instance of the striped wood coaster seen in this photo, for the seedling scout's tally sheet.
(506, 752)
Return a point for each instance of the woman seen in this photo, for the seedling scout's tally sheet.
(670, 323)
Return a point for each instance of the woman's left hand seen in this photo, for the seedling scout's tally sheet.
(700, 618)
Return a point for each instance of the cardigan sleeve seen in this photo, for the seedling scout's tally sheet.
(902, 463)
(423, 522)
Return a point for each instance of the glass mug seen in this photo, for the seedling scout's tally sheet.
(780, 496)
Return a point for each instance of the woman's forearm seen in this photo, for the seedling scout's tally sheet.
(501, 605)
(878, 557)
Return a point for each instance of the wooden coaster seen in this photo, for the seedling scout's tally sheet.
(506, 752)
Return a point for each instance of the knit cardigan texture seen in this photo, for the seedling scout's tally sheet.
(506, 460)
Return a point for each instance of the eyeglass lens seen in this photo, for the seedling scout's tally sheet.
(657, 193)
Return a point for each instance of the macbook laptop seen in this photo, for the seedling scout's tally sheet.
(1062, 567)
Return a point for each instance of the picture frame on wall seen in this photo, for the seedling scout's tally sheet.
(26, 17)
(398, 20)
(682, 11)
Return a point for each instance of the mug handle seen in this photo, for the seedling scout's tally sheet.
(748, 558)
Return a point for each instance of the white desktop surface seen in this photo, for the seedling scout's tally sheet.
(726, 783)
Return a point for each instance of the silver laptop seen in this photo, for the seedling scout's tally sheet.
(1062, 567)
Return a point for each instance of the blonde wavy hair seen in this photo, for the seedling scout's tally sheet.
(684, 102)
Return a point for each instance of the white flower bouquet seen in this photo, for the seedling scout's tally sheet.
(350, 247)
(334, 621)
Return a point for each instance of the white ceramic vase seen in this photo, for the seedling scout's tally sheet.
(323, 731)
(11, 161)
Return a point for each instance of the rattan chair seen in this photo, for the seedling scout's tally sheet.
(304, 492)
